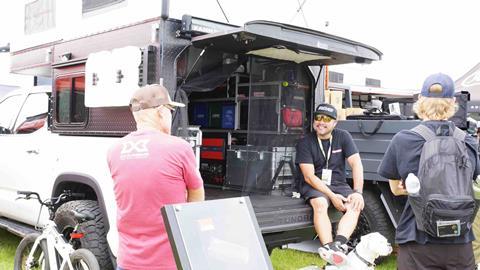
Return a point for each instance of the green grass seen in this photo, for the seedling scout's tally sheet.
(288, 259)
(282, 259)
(8, 244)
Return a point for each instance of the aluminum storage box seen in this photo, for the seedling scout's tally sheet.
(259, 169)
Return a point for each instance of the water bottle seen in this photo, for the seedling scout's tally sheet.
(412, 184)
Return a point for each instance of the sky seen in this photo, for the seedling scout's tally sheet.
(417, 38)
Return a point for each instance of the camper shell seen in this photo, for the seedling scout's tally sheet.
(160, 58)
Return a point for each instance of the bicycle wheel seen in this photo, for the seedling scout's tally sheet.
(40, 256)
(83, 259)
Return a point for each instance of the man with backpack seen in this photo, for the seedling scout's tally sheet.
(434, 164)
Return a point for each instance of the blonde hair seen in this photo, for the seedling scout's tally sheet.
(429, 108)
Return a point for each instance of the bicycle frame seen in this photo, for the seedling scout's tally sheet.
(55, 244)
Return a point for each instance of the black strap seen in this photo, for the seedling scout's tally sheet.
(459, 134)
(364, 133)
(369, 264)
(426, 133)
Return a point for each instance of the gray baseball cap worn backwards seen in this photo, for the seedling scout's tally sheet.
(152, 96)
(326, 109)
(446, 83)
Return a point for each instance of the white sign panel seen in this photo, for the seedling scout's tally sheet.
(111, 77)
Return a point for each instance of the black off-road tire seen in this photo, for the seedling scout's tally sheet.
(95, 238)
(23, 250)
(83, 259)
(374, 218)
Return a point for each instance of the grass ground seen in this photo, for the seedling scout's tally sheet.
(282, 259)
(8, 244)
(289, 259)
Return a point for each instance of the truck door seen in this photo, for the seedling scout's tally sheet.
(9, 108)
(24, 156)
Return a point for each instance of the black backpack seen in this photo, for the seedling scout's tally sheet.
(445, 204)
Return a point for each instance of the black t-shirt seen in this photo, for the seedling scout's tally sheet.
(403, 157)
(308, 151)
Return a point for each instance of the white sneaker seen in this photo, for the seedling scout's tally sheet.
(334, 253)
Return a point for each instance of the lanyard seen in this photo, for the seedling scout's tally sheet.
(329, 152)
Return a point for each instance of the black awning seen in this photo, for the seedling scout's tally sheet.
(286, 42)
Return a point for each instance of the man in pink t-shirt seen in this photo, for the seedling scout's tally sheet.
(150, 168)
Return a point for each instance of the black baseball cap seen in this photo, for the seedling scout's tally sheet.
(326, 109)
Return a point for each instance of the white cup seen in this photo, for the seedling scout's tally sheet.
(412, 184)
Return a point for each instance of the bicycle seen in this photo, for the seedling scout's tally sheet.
(49, 250)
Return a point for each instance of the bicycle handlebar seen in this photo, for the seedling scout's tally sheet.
(53, 201)
(26, 193)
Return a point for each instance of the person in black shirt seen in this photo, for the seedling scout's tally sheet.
(417, 249)
(321, 157)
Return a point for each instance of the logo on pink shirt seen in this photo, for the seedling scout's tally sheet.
(134, 149)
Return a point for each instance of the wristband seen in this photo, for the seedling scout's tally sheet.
(358, 191)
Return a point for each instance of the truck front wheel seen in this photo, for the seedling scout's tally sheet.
(95, 238)
(374, 218)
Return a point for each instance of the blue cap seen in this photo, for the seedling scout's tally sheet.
(448, 86)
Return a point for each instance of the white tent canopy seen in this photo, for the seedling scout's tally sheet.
(470, 82)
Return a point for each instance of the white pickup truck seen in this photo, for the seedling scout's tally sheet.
(252, 89)
(35, 159)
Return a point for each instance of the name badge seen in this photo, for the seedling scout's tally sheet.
(327, 176)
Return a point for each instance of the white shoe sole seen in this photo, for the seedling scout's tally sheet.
(336, 258)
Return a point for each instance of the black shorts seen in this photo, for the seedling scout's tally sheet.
(310, 193)
(435, 256)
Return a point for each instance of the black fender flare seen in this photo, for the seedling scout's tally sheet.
(84, 179)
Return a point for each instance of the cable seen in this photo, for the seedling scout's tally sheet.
(186, 77)
(303, 13)
(300, 8)
(225, 15)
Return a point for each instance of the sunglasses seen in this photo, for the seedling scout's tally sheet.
(323, 118)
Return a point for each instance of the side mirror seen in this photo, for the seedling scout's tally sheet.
(4, 130)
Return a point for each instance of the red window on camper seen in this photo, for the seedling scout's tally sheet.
(70, 99)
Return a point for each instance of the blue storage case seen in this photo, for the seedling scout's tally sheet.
(200, 114)
(228, 116)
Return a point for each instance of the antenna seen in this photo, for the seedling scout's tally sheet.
(164, 16)
(165, 9)
(225, 15)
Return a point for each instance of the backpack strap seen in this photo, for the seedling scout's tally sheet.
(425, 132)
(459, 134)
